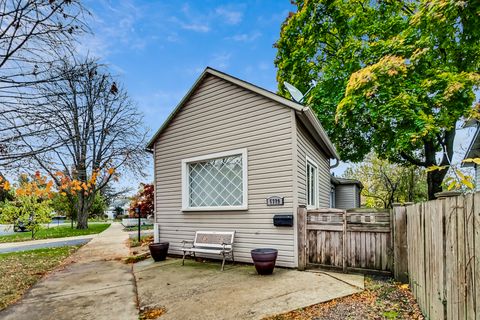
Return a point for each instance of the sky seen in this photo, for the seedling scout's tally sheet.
(157, 49)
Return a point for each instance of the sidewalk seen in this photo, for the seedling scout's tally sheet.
(96, 285)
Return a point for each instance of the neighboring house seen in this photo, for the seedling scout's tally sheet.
(225, 149)
(123, 203)
(345, 193)
(473, 151)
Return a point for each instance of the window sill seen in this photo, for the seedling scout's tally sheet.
(237, 208)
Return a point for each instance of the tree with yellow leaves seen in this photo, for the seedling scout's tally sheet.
(31, 205)
(392, 77)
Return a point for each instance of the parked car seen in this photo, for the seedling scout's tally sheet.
(20, 226)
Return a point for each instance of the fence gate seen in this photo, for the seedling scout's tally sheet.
(350, 241)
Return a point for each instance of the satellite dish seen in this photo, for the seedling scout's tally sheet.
(296, 94)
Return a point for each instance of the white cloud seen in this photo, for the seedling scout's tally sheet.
(245, 37)
(115, 28)
(197, 27)
(191, 24)
(230, 16)
(221, 60)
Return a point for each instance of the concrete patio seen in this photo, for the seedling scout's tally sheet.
(199, 290)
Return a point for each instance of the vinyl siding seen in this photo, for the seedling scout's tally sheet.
(220, 116)
(477, 178)
(346, 196)
(307, 147)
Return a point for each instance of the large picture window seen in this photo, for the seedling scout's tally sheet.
(215, 182)
(312, 184)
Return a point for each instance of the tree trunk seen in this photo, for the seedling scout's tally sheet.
(82, 211)
(434, 182)
(82, 221)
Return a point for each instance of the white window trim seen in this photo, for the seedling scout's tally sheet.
(313, 163)
(185, 184)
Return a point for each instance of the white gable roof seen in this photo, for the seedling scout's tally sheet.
(306, 112)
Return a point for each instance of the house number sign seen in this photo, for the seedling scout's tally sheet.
(275, 201)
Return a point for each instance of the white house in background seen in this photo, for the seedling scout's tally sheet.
(123, 203)
(233, 156)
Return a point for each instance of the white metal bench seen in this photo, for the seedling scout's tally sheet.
(214, 242)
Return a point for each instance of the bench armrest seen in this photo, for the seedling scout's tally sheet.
(184, 242)
(227, 244)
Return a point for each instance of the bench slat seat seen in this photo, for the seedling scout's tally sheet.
(208, 250)
(212, 242)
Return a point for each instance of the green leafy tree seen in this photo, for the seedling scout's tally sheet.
(385, 183)
(98, 207)
(393, 77)
(31, 205)
(119, 211)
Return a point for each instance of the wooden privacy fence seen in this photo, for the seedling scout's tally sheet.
(345, 240)
(443, 250)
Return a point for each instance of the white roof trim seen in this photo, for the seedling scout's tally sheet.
(312, 118)
(471, 150)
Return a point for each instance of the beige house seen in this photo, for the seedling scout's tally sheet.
(231, 157)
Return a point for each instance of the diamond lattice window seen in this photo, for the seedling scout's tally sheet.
(216, 182)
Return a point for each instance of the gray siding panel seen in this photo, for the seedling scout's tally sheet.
(307, 147)
(346, 196)
(221, 116)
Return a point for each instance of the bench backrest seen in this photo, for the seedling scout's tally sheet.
(214, 239)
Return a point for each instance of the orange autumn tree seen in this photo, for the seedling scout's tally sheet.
(90, 129)
(31, 205)
(81, 190)
(143, 201)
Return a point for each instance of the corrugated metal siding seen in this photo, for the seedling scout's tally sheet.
(307, 147)
(345, 196)
(218, 117)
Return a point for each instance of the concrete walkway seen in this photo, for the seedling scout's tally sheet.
(96, 285)
(44, 243)
(201, 291)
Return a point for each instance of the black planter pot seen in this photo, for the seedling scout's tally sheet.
(159, 250)
(264, 260)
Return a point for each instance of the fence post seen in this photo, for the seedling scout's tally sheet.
(400, 250)
(302, 236)
(344, 242)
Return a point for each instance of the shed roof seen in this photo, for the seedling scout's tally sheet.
(338, 180)
(306, 114)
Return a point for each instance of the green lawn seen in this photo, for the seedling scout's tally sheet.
(20, 270)
(55, 232)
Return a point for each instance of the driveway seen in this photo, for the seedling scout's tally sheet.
(95, 285)
(201, 291)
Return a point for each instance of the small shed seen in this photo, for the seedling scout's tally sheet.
(346, 193)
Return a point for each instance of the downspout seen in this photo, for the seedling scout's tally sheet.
(335, 164)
